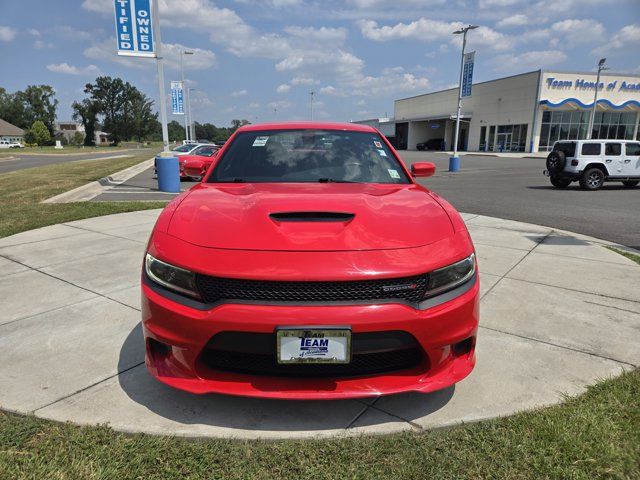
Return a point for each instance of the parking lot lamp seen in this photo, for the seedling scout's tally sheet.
(184, 86)
(454, 162)
(312, 93)
(592, 117)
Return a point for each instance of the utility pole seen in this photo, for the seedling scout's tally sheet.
(192, 127)
(454, 162)
(184, 86)
(592, 117)
(163, 100)
(312, 93)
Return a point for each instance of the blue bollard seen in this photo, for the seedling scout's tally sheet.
(454, 164)
(168, 174)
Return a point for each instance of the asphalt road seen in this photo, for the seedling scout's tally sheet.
(22, 161)
(511, 188)
(515, 189)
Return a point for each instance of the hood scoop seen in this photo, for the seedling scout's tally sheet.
(312, 216)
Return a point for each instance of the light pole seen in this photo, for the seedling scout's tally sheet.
(454, 162)
(184, 87)
(312, 93)
(592, 117)
(159, 61)
(192, 126)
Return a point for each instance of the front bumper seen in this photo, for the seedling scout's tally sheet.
(183, 333)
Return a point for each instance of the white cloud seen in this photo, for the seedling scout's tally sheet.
(42, 45)
(67, 69)
(627, 38)
(579, 32)
(201, 59)
(498, 3)
(7, 33)
(304, 80)
(422, 29)
(329, 90)
(534, 59)
(284, 88)
(280, 105)
(239, 93)
(387, 4)
(513, 21)
(322, 34)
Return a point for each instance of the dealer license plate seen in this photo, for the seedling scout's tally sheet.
(313, 345)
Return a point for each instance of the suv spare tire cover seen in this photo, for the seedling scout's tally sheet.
(556, 161)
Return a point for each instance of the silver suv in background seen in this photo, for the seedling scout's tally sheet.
(593, 162)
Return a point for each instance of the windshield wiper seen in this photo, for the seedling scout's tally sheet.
(331, 180)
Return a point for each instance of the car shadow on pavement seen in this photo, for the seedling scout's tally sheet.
(228, 413)
(576, 188)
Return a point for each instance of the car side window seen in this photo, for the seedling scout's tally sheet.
(632, 149)
(591, 149)
(614, 149)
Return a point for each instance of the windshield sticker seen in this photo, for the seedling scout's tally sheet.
(260, 141)
(393, 173)
(377, 144)
(382, 153)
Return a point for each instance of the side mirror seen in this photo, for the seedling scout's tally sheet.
(423, 169)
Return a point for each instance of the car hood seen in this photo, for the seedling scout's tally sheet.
(309, 217)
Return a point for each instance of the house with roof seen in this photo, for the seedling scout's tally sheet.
(10, 133)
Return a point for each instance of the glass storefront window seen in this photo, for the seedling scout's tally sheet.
(573, 125)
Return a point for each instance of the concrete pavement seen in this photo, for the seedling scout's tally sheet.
(559, 311)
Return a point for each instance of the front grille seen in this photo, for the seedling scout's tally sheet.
(255, 354)
(216, 289)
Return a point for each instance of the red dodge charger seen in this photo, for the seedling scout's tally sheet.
(309, 264)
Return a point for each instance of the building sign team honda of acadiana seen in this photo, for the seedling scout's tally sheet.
(134, 28)
(582, 84)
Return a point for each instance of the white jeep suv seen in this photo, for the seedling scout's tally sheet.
(593, 162)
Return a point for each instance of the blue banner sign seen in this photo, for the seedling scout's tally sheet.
(134, 28)
(467, 73)
(177, 98)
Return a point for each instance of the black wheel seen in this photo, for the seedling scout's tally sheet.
(592, 179)
(560, 182)
(556, 161)
(630, 183)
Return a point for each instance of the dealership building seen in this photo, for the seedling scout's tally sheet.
(525, 113)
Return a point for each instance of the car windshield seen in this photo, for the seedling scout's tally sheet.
(183, 148)
(205, 151)
(308, 155)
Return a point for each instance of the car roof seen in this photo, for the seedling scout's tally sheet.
(300, 125)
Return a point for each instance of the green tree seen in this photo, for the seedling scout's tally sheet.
(29, 137)
(86, 112)
(78, 139)
(12, 109)
(41, 133)
(39, 104)
(143, 121)
(236, 124)
(111, 95)
(176, 131)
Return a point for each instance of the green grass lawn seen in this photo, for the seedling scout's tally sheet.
(68, 149)
(22, 191)
(595, 435)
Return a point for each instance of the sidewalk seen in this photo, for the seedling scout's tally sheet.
(559, 312)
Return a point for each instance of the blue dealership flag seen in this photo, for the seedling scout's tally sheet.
(134, 28)
(467, 73)
(177, 98)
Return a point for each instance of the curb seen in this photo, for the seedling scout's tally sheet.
(90, 190)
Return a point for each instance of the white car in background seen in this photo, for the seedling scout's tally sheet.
(8, 144)
(593, 162)
(187, 148)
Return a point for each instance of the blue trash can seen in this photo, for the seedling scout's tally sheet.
(454, 164)
(168, 171)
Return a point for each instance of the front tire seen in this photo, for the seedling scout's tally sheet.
(630, 183)
(560, 182)
(592, 179)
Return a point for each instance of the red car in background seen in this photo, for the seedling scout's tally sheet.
(309, 264)
(199, 160)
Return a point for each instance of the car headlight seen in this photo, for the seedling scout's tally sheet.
(171, 277)
(451, 276)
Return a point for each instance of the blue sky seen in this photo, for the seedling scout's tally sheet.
(258, 59)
